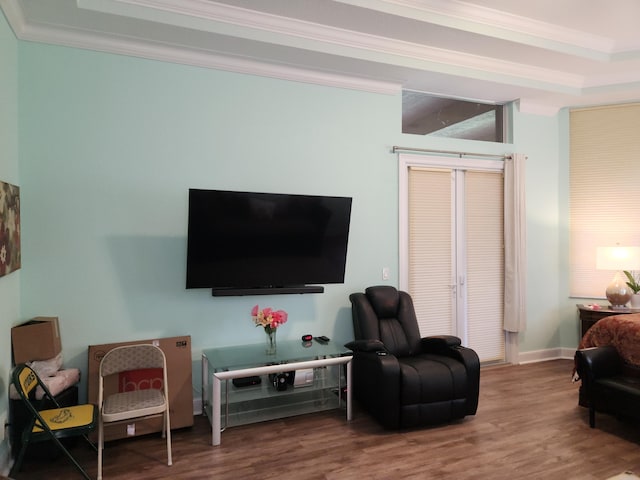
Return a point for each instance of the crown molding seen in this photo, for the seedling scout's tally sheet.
(450, 13)
(367, 47)
(225, 19)
(545, 87)
(14, 16)
(185, 56)
(486, 21)
(533, 107)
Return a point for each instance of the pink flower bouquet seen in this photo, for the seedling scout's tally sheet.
(268, 318)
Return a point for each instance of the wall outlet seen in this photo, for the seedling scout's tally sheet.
(4, 426)
(385, 273)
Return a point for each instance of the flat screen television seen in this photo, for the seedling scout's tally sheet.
(249, 243)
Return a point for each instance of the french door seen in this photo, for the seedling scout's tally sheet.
(452, 249)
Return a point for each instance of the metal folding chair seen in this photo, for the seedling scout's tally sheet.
(50, 424)
(135, 404)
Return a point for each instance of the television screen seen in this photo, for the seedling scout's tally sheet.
(245, 240)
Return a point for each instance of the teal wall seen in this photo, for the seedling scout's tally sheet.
(552, 315)
(9, 284)
(119, 142)
(540, 135)
(109, 146)
(568, 320)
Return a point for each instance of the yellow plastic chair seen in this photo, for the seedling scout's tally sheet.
(136, 404)
(50, 424)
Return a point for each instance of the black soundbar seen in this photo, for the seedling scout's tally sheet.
(236, 292)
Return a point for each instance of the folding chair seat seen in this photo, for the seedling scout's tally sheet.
(50, 424)
(134, 404)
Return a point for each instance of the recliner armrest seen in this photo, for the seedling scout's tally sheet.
(598, 362)
(376, 380)
(439, 342)
(366, 346)
(451, 346)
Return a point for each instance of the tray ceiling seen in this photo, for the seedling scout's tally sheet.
(546, 54)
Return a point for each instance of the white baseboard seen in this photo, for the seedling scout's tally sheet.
(197, 406)
(545, 355)
(5, 460)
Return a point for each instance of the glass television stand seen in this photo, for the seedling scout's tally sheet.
(265, 387)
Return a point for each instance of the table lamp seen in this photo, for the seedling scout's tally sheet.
(618, 258)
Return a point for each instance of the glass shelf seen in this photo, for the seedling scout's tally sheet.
(240, 405)
(247, 356)
(263, 402)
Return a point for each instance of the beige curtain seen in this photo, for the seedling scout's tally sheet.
(515, 244)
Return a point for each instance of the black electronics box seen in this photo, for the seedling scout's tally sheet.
(246, 381)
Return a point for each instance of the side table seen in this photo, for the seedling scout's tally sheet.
(589, 316)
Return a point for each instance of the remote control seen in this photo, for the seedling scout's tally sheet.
(322, 339)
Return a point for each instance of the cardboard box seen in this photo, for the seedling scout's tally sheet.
(178, 353)
(37, 339)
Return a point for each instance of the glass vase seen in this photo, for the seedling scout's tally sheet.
(271, 340)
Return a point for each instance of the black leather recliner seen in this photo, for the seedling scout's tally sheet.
(608, 384)
(404, 380)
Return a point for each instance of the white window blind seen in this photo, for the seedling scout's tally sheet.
(431, 249)
(484, 239)
(455, 255)
(604, 190)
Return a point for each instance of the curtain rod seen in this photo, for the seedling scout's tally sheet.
(396, 149)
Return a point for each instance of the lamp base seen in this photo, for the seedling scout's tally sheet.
(618, 292)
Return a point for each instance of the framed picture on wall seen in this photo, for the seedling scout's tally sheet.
(9, 228)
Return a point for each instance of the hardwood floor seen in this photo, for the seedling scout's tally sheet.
(528, 426)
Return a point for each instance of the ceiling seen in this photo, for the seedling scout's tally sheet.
(545, 53)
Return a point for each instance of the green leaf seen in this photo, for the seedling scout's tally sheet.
(632, 283)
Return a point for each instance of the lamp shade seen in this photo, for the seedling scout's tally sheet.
(618, 258)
